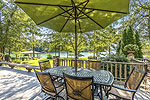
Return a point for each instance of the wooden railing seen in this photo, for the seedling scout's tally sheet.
(121, 69)
(118, 69)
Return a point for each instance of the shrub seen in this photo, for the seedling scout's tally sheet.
(17, 61)
(92, 57)
(49, 56)
(13, 58)
(116, 58)
(23, 58)
(6, 57)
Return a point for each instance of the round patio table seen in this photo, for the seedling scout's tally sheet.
(101, 77)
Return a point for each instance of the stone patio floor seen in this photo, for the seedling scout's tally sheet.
(17, 84)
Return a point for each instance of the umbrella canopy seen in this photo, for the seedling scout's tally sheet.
(59, 15)
(74, 15)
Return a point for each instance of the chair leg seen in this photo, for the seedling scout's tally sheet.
(96, 91)
(59, 98)
(49, 98)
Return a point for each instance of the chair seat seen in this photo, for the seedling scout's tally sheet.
(53, 92)
(121, 93)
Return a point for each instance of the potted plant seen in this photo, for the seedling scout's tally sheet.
(131, 48)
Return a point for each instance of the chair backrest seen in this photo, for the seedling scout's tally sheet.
(44, 65)
(94, 64)
(135, 78)
(46, 81)
(79, 88)
(80, 63)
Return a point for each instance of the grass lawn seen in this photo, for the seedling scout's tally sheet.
(35, 62)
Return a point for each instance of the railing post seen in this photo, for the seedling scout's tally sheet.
(125, 71)
(116, 70)
(120, 71)
(56, 61)
(111, 68)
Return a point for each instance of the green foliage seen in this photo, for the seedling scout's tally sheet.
(17, 61)
(119, 48)
(130, 42)
(131, 47)
(127, 38)
(116, 58)
(13, 58)
(92, 57)
(23, 58)
(49, 56)
(130, 36)
(138, 54)
(6, 57)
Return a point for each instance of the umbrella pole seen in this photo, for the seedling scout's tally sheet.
(76, 39)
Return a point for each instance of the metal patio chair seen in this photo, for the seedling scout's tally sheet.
(79, 88)
(49, 86)
(131, 85)
(44, 65)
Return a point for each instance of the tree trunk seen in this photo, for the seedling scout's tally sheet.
(9, 59)
(149, 24)
(94, 53)
(3, 52)
(1, 49)
(67, 53)
(33, 46)
(59, 52)
(109, 50)
(33, 52)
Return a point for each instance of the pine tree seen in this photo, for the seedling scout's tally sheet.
(124, 42)
(139, 53)
(128, 37)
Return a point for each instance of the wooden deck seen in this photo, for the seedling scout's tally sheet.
(16, 84)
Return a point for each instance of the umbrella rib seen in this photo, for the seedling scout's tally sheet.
(73, 4)
(41, 4)
(66, 11)
(86, 13)
(91, 19)
(106, 10)
(65, 24)
(53, 17)
(83, 7)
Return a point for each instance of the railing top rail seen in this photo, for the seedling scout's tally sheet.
(129, 63)
(124, 63)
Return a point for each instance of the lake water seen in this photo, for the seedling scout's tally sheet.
(85, 54)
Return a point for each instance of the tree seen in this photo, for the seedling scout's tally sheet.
(14, 28)
(130, 36)
(139, 53)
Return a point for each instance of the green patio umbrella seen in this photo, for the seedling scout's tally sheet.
(75, 16)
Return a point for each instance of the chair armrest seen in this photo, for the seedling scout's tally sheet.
(120, 78)
(119, 83)
(125, 89)
(60, 85)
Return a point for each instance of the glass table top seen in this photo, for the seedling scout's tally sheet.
(101, 77)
